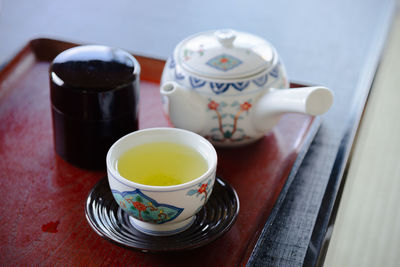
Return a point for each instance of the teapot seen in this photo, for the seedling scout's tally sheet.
(232, 88)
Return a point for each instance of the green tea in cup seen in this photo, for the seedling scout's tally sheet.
(161, 164)
(161, 177)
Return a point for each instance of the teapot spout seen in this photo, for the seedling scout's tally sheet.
(314, 100)
(183, 107)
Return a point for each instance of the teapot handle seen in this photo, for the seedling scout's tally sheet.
(314, 100)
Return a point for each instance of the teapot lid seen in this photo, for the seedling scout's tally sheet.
(225, 54)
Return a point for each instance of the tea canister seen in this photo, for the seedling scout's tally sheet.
(94, 93)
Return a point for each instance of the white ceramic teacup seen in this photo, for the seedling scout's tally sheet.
(161, 210)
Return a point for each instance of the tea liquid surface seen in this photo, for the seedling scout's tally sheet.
(161, 164)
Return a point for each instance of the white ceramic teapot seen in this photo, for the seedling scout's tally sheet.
(229, 86)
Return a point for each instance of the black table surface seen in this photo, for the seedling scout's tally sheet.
(333, 43)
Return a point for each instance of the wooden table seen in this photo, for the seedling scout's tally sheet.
(337, 44)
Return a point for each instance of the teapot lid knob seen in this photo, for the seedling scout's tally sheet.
(226, 37)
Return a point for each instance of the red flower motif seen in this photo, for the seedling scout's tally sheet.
(223, 60)
(245, 106)
(202, 188)
(213, 105)
(139, 206)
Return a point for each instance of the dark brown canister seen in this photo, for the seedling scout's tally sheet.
(94, 94)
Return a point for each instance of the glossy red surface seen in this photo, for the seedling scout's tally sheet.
(42, 212)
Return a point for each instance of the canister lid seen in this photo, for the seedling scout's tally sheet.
(225, 54)
(94, 82)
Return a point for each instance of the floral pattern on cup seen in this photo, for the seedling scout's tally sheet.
(202, 189)
(144, 208)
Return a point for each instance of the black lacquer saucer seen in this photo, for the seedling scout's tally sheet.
(109, 221)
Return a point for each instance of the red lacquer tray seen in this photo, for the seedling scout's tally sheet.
(42, 197)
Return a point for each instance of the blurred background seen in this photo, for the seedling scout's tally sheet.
(298, 29)
(325, 42)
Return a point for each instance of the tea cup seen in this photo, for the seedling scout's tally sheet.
(161, 210)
